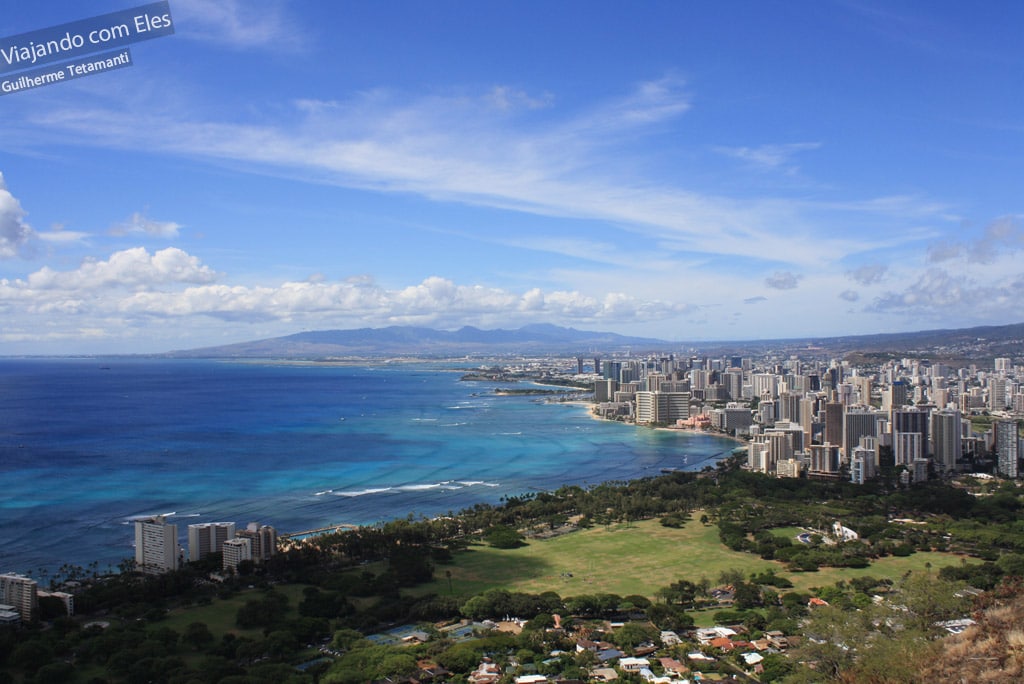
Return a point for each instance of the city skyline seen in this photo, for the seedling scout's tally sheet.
(686, 172)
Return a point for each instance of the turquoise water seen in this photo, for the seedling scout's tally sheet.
(86, 445)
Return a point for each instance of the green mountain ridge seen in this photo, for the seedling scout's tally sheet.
(963, 343)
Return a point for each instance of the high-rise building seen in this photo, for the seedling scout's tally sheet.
(858, 423)
(735, 419)
(824, 460)
(808, 414)
(675, 386)
(21, 593)
(629, 373)
(611, 370)
(792, 467)
(732, 379)
(765, 385)
(780, 447)
(792, 430)
(862, 388)
(653, 382)
(604, 390)
(862, 465)
(789, 406)
(947, 434)
(757, 454)
(156, 545)
(919, 470)
(662, 407)
(64, 597)
(912, 419)
(235, 551)
(207, 538)
(647, 408)
(895, 396)
(997, 394)
(263, 539)
(1006, 447)
(834, 422)
(907, 447)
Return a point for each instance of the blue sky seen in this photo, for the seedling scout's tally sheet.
(683, 170)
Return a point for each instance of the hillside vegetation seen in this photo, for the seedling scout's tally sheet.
(664, 553)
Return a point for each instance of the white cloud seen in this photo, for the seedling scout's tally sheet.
(434, 300)
(132, 268)
(132, 288)
(59, 236)
(506, 98)
(937, 294)
(869, 274)
(849, 295)
(934, 289)
(782, 280)
(15, 233)
(769, 157)
(1004, 235)
(491, 149)
(235, 24)
(457, 148)
(140, 223)
(943, 251)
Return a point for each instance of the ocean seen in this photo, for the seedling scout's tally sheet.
(86, 445)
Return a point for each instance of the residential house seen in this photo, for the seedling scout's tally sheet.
(633, 664)
(724, 643)
(752, 659)
(531, 679)
(706, 634)
(673, 667)
(651, 678)
(485, 673)
(670, 638)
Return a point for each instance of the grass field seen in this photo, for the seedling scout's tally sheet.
(219, 616)
(787, 532)
(636, 559)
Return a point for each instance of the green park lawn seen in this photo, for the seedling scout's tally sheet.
(219, 615)
(638, 558)
(635, 558)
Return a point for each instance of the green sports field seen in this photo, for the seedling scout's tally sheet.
(638, 558)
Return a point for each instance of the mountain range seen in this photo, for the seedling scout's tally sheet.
(409, 340)
(964, 343)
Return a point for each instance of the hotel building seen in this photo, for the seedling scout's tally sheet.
(21, 594)
(156, 546)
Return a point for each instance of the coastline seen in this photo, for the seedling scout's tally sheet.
(146, 436)
(687, 430)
